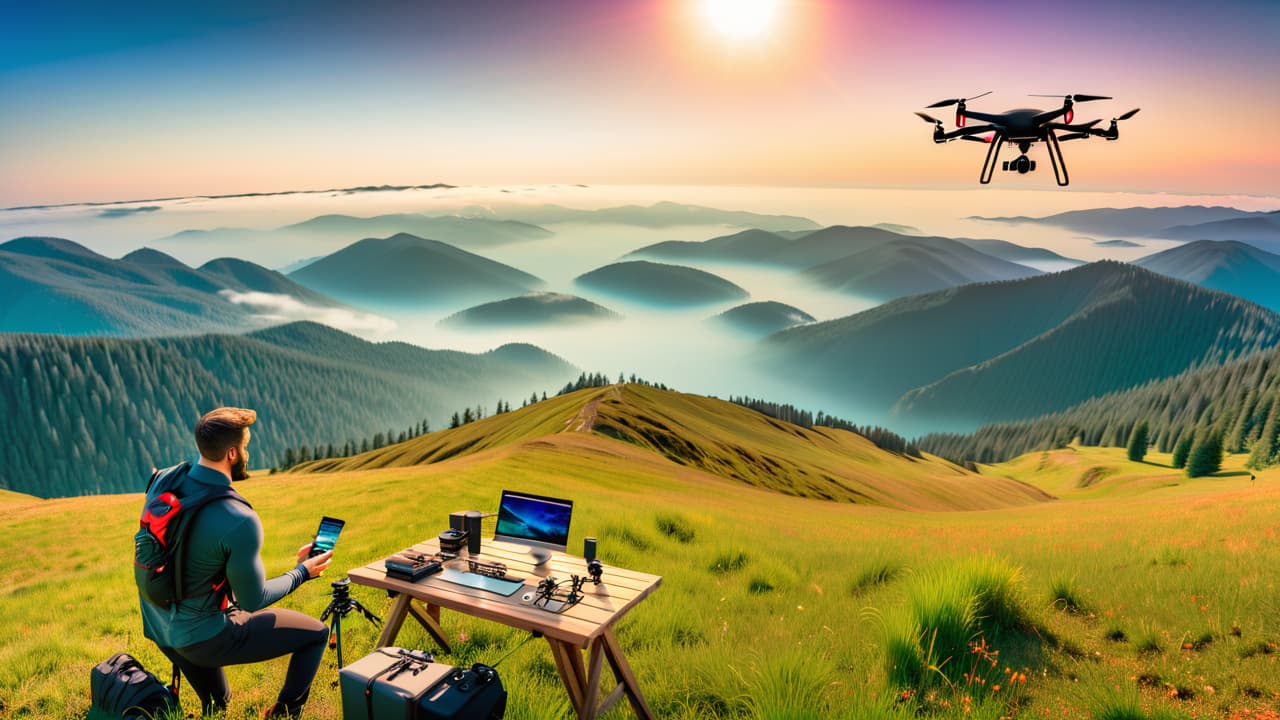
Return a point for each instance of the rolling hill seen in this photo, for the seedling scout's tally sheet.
(763, 318)
(1233, 267)
(51, 285)
(913, 266)
(660, 284)
(979, 353)
(704, 438)
(406, 271)
(534, 309)
(93, 415)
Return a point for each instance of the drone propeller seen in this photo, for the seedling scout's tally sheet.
(1076, 98)
(1127, 115)
(927, 118)
(957, 101)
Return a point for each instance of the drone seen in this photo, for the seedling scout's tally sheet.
(1023, 127)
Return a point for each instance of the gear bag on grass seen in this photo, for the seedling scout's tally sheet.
(158, 547)
(121, 688)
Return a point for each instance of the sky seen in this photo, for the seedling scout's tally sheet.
(127, 100)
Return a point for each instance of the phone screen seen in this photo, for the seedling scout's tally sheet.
(326, 536)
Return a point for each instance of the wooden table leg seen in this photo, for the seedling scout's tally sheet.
(573, 683)
(399, 609)
(622, 670)
(431, 622)
(591, 691)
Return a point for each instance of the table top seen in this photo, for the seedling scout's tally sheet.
(600, 607)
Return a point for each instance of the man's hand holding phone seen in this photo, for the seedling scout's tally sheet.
(315, 564)
(316, 555)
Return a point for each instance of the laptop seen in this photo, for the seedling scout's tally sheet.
(534, 520)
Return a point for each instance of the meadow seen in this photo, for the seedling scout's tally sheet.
(1136, 593)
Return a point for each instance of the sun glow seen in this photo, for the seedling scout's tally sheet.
(741, 19)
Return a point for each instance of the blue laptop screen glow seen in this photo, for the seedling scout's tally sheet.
(533, 519)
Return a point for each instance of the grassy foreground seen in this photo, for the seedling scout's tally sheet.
(1136, 594)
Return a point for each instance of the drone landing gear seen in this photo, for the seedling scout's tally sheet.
(1055, 157)
(993, 153)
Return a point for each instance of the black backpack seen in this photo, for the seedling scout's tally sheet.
(122, 688)
(158, 547)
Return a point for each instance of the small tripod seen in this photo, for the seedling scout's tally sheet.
(342, 604)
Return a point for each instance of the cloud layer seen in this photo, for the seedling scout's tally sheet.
(286, 308)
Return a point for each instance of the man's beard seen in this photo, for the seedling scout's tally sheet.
(240, 469)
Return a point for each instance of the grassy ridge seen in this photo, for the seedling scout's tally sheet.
(772, 605)
(721, 439)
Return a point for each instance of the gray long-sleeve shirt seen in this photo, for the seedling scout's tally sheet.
(225, 539)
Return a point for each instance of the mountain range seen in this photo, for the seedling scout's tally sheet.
(327, 233)
(1130, 222)
(53, 285)
(657, 215)
(405, 271)
(868, 261)
(92, 415)
(995, 351)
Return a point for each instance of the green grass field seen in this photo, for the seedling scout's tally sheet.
(1136, 593)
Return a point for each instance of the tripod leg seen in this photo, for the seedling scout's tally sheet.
(335, 637)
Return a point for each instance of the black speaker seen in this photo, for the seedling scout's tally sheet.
(589, 548)
(473, 531)
(458, 521)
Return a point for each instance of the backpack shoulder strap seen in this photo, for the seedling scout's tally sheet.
(189, 510)
(162, 478)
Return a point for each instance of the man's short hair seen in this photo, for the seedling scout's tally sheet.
(222, 429)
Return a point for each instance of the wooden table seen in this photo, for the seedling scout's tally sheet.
(586, 627)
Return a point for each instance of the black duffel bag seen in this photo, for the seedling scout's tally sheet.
(121, 688)
(391, 683)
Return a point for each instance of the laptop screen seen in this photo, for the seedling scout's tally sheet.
(534, 520)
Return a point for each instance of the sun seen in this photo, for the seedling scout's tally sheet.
(740, 19)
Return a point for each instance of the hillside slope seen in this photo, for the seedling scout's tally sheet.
(405, 271)
(52, 285)
(979, 353)
(1233, 267)
(706, 437)
(94, 415)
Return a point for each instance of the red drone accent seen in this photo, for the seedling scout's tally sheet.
(1070, 114)
(959, 119)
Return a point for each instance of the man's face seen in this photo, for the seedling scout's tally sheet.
(240, 466)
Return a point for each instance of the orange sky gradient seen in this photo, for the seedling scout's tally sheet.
(633, 93)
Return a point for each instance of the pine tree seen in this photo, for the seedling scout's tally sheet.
(1182, 448)
(455, 421)
(290, 458)
(1263, 453)
(1138, 441)
(1206, 455)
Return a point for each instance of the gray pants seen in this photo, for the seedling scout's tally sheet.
(249, 638)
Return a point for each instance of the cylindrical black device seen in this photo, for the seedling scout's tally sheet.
(589, 548)
(473, 531)
(458, 521)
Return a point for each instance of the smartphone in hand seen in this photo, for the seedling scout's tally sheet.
(326, 535)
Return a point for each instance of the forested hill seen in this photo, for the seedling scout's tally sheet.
(94, 415)
(1240, 401)
(995, 352)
